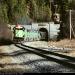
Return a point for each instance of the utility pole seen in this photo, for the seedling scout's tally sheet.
(70, 25)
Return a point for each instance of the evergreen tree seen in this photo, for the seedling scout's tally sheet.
(37, 10)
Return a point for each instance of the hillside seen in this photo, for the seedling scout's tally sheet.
(14, 11)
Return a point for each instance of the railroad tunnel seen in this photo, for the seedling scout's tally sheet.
(44, 34)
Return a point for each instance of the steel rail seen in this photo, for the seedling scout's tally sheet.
(44, 54)
(40, 53)
(52, 53)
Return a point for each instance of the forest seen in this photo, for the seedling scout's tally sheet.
(26, 11)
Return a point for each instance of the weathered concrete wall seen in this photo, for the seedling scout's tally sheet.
(53, 29)
(50, 27)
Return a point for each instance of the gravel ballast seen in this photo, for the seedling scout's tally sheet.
(28, 62)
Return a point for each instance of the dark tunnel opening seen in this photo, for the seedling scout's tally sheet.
(44, 34)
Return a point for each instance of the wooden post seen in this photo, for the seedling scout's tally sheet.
(70, 26)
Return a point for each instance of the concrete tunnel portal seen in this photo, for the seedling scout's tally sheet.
(44, 34)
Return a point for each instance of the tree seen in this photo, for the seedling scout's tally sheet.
(13, 10)
(3, 12)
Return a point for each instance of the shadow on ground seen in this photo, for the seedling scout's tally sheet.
(38, 66)
(5, 42)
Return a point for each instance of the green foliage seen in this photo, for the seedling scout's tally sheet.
(12, 10)
(72, 4)
(37, 10)
(3, 12)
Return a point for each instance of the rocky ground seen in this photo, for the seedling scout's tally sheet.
(27, 62)
(66, 46)
(66, 43)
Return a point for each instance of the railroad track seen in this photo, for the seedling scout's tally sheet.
(59, 58)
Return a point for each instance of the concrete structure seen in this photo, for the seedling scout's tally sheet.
(48, 30)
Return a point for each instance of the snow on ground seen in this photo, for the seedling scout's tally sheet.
(38, 44)
(28, 62)
(8, 49)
